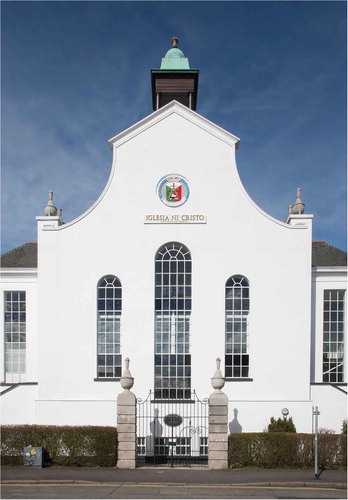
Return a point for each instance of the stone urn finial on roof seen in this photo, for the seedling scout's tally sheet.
(218, 380)
(50, 209)
(127, 380)
(299, 206)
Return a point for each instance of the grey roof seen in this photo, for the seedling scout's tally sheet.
(23, 256)
(324, 254)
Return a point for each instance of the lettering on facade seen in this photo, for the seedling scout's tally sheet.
(175, 219)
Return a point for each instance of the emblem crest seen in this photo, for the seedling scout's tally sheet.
(173, 190)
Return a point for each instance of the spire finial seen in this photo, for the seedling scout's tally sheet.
(175, 42)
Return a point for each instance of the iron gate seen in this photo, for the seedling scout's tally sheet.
(172, 432)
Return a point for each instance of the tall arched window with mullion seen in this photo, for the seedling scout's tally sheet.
(173, 271)
(236, 327)
(109, 327)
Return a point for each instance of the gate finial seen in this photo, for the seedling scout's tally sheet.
(127, 380)
(218, 381)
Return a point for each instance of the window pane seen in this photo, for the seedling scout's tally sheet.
(173, 279)
(236, 308)
(333, 328)
(109, 314)
(15, 332)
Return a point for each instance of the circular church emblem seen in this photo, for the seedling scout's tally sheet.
(173, 190)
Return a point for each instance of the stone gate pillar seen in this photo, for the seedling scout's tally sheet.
(218, 423)
(126, 422)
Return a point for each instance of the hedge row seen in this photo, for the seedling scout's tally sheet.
(279, 450)
(97, 446)
(65, 445)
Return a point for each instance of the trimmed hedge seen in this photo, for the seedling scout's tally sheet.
(272, 450)
(65, 445)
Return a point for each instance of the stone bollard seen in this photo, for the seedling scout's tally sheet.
(218, 423)
(126, 422)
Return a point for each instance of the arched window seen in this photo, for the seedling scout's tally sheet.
(236, 326)
(173, 268)
(109, 318)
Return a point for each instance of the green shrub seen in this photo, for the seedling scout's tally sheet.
(279, 450)
(281, 425)
(65, 445)
(344, 426)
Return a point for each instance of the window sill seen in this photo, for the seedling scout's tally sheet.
(344, 384)
(107, 379)
(164, 401)
(235, 379)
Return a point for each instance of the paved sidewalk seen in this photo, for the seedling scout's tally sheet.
(175, 476)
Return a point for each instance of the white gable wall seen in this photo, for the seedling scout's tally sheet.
(112, 238)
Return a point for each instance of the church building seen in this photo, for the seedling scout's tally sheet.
(155, 272)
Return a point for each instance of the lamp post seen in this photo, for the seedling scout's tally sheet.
(315, 413)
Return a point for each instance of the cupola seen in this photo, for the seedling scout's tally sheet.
(174, 80)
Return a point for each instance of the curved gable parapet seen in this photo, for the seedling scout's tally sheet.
(144, 125)
(301, 219)
(186, 121)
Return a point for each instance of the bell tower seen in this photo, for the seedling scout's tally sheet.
(175, 80)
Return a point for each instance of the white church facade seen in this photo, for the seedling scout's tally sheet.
(158, 272)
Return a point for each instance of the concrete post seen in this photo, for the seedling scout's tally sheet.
(218, 423)
(126, 423)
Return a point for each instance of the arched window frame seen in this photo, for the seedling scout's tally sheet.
(109, 310)
(237, 307)
(173, 273)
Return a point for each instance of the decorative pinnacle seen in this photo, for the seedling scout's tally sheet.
(50, 209)
(126, 380)
(218, 381)
(299, 206)
(175, 42)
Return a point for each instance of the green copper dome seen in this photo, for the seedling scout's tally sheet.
(174, 53)
(174, 58)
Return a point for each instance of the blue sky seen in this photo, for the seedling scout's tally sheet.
(74, 74)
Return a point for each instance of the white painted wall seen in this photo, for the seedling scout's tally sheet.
(111, 238)
(332, 404)
(18, 405)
